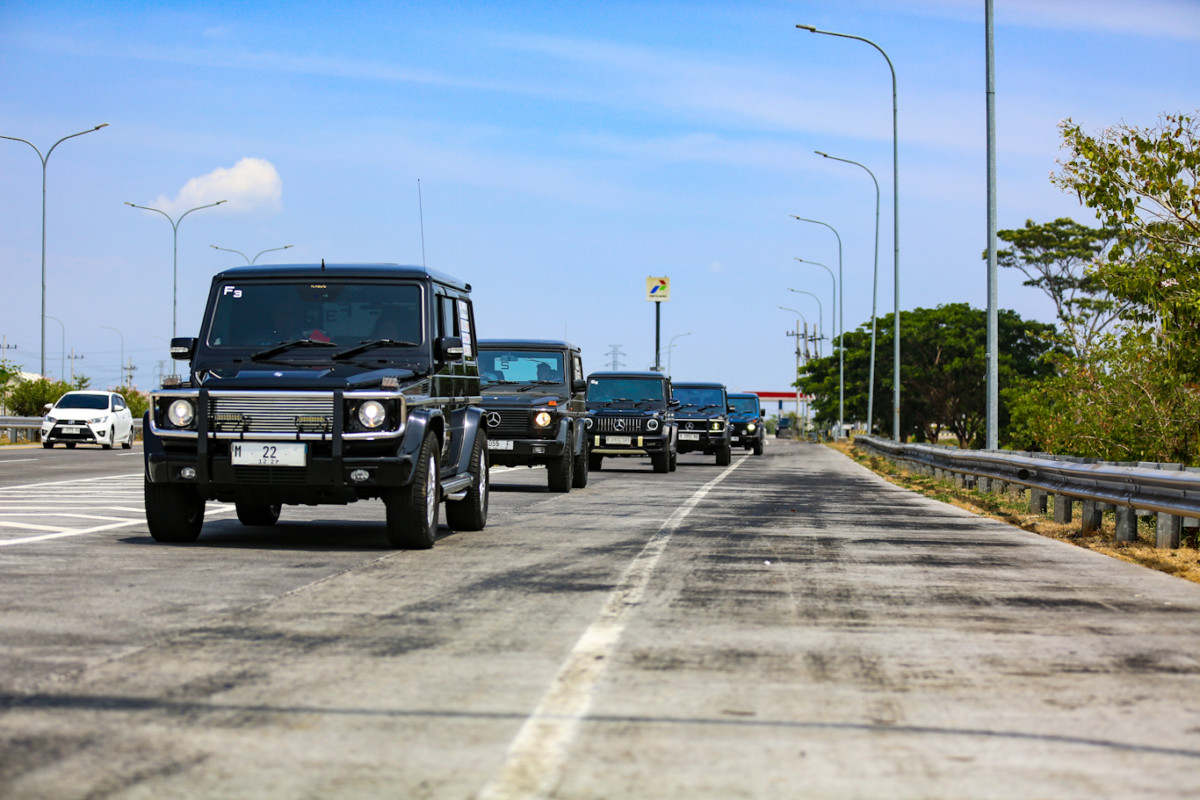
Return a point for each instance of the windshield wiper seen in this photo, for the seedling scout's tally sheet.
(539, 383)
(284, 346)
(371, 345)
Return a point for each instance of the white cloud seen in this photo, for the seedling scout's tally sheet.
(250, 184)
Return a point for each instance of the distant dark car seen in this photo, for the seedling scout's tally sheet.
(703, 419)
(533, 402)
(746, 422)
(783, 428)
(631, 414)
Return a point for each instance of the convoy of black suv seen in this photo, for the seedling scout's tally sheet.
(328, 384)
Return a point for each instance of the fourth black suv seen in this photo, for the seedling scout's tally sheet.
(746, 421)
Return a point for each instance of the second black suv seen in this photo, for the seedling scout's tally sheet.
(746, 421)
(533, 403)
(631, 414)
(323, 384)
(703, 419)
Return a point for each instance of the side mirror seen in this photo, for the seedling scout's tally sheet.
(578, 385)
(46, 408)
(448, 348)
(183, 348)
(731, 409)
(673, 403)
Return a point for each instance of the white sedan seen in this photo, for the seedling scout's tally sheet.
(100, 418)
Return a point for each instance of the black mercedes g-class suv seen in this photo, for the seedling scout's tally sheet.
(703, 419)
(746, 422)
(631, 414)
(323, 384)
(533, 404)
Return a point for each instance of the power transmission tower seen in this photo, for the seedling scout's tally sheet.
(614, 352)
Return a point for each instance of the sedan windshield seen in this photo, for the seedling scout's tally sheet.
(266, 315)
(89, 401)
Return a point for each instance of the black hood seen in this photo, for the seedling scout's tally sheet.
(297, 377)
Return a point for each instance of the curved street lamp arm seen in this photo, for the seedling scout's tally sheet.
(269, 250)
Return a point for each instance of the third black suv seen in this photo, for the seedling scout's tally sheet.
(746, 421)
(703, 418)
(533, 393)
(631, 414)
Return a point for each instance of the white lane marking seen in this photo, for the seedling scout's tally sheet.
(15, 460)
(536, 757)
(26, 486)
(212, 508)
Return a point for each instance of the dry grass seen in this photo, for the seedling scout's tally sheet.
(1183, 562)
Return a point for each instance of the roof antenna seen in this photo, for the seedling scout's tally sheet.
(322, 265)
(421, 213)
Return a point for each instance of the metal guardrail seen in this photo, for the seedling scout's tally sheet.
(1169, 490)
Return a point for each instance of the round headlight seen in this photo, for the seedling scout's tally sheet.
(372, 414)
(652, 424)
(542, 419)
(751, 427)
(181, 413)
(587, 423)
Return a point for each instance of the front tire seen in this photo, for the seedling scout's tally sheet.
(580, 479)
(47, 445)
(112, 434)
(173, 513)
(560, 474)
(412, 511)
(470, 513)
(128, 443)
(725, 456)
(661, 461)
(595, 463)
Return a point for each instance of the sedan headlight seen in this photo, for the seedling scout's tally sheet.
(181, 412)
(51, 420)
(372, 414)
(542, 419)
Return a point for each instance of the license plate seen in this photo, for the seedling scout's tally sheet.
(70, 429)
(689, 437)
(500, 444)
(268, 454)
(618, 440)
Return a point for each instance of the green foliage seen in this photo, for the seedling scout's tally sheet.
(1143, 184)
(943, 358)
(138, 403)
(29, 398)
(9, 373)
(1054, 257)
(1118, 406)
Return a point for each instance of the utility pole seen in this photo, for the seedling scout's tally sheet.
(129, 370)
(73, 357)
(614, 352)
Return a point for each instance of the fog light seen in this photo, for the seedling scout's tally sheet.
(188, 473)
(359, 475)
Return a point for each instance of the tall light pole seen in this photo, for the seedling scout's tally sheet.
(895, 220)
(874, 293)
(44, 159)
(820, 316)
(175, 250)
(671, 345)
(62, 364)
(248, 259)
(839, 327)
(993, 314)
(842, 318)
(121, 363)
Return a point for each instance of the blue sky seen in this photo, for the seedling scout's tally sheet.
(565, 152)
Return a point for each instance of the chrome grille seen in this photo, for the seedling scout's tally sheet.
(280, 413)
(512, 424)
(615, 424)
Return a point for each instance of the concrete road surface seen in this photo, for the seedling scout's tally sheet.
(789, 626)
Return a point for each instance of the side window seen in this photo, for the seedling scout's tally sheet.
(466, 328)
(119, 402)
(447, 316)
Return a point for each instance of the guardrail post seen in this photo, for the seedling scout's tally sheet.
(1062, 508)
(1092, 515)
(1167, 531)
(1037, 501)
(1127, 524)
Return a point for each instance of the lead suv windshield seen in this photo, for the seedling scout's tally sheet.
(259, 315)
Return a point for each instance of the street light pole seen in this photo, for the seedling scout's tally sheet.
(44, 159)
(841, 327)
(62, 364)
(895, 220)
(175, 257)
(121, 363)
(670, 346)
(248, 259)
(874, 293)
